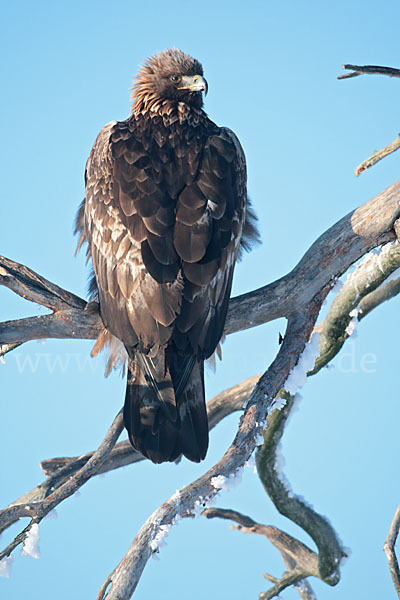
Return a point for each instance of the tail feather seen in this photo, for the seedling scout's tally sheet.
(163, 424)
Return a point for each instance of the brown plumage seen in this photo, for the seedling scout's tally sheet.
(163, 216)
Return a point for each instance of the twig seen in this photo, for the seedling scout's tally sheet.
(285, 543)
(369, 70)
(377, 156)
(390, 551)
(393, 146)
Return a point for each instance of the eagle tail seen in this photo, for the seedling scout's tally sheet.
(164, 409)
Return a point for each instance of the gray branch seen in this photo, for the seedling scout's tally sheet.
(361, 293)
(330, 551)
(344, 243)
(390, 551)
(122, 582)
(299, 559)
(369, 70)
(59, 470)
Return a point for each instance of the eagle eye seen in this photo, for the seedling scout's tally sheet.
(175, 78)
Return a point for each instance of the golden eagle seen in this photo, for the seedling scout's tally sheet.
(164, 214)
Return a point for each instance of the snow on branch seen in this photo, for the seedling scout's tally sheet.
(358, 295)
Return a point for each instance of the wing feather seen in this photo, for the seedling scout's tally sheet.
(164, 222)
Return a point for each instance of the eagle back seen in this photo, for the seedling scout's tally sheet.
(164, 211)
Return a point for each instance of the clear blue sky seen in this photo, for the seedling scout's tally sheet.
(66, 70)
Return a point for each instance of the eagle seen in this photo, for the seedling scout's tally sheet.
(165, 216)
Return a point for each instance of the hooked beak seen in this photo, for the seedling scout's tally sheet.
(194, 83)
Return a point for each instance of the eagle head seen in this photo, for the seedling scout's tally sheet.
(170, 76)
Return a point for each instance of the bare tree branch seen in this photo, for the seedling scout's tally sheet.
(344, 243)
(125, 577)
(296, 555)
(320, 530)
(390, 551)
(377, 156)
(361, 284)
(59, 470)
(393, 146)
(384, 292)
(368, 275)
(369, 70)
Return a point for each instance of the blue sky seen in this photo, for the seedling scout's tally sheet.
(271, 69)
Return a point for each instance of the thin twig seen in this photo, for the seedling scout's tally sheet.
(369, 70)
(285, 543)
(296, 555)
(377, 156)
(390, 551)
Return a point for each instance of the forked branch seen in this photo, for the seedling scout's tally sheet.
(297, 296)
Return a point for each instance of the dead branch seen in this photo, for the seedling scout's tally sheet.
(367, 276)
(355, 296)
(345, 242)
(330, 550)
(298, 296)
(390, 551)
(389, 148)
(123, 580)
(60, 470)
(387, 290)
(377, 156)
(300, 560)
(369, 70)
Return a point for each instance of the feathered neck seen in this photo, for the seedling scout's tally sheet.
(148, 105)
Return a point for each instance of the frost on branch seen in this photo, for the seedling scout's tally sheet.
(31, 543)
(298, 375)
(5, 566)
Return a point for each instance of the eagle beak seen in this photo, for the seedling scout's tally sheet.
(194, 83)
